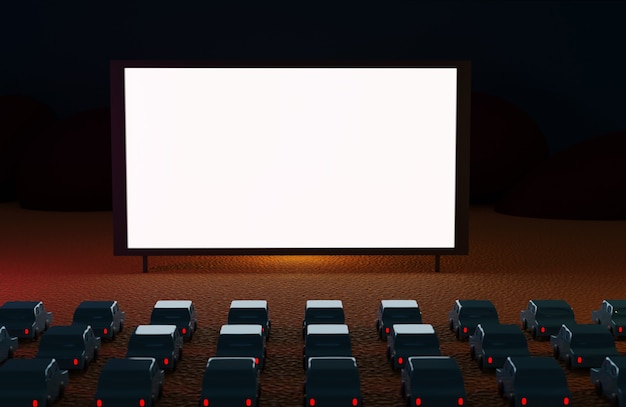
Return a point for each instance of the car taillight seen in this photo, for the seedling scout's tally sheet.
(524, 401)
(311, 402)
(248, 402)
(579, 360)
(400, 360)
(184, 331)
(263, 329)
(166, 361)
(620, 329)
(75, 362)
(489, 360)
(105, 331)
(543, 329)
(418, 401)
(35, 403)
(142, 402)
(26, 331)
(460, 401)
(566, 401)
(98, 403)
(387, 331)
(256, 361)
(464, 329)
(205, 402)
(355, 401)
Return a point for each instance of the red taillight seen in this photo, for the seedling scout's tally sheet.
(579, 359)
(205, 402)
(105, 331)
(311, 402)
(418, 401)
(248, 402)
(166, 361)
(460, 401)
(355, 401)
(566, 401)
(464, 329)
(35, 403)
(543, 329)
(184, 331)
(489, 360)
(98, 403)
(400, 360)
(142, 402)
(524, 401)
(256, 361)
(263, 329)
(620, 329)
(75, 362)
(26, 331)
(387, 331)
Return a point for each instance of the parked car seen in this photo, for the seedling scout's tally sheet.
(129, 382)
(8, 344)
(491, 344)
(181, 313)
(583, 345)
(31, 382)
(250, 312)
(543, 318)
(230, 381)
(332, 381)
(396, 312)
(432, 381)
(326, 340)
(25, 319)
(467, 314)
(533, 381)
(609, 380)
(411, 340)
(612, 315)
(105, 317)
(323, 312)
(242, 341)
(73, 346)
(162, 342)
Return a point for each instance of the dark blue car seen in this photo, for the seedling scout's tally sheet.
(612, 315)
(230, 381)
(467, 314)
(25, 319)
(609, 380)
(396, 312)
(433, 381)
(8, 344)
(73, 346)
(332, 381)
(411, 340)
(543, 318)
(583, 345)
(491, 344)
(105, 317)
(129, 382)
(31, 382)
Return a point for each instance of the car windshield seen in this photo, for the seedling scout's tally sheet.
(325, 315)
(540, 377)
(436, 379)
(62, 341)
(478, 313)
(21, 380)
(150, 341)
(122, 379)
(229, 380)
(547, 312)
(92, 315)
(401, 315)
(16, 314)
(416, 341)
(169, 316)
(592, 340)
(247, 316)
(325, 381)
(240, 344)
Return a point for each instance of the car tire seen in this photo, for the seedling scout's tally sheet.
(481, 363)
(388, 352)
(500, 389)
(597, 385)
(614, 400)
(472, 353)
(534, 333)
(180, 354)
(555, 352)
(568, 363)
(121, 327)
(524, 325)
(457, 333)
(511, 402)
(11, 354)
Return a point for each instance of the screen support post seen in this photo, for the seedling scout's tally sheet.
(145, 264)
(437, 263)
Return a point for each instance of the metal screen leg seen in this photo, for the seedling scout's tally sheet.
(437, 263)
(145, 264)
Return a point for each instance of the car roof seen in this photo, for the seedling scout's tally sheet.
(315, 329)
(20, 304)
(248, 304)
(74, 329)
(96, 304)
(493, 328)
(433, 362)
(413, 329)
(128, 364)
(241, 329)
(324, 304)
(534, 362)
(26, 365)
(155, 329)
(399, 304)
(475, 303)
(173, 304)
(551, 303)
(230, 363)
(332, 362)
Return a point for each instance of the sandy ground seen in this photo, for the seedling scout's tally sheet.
(65, 258)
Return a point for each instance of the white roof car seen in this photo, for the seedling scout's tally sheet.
(399, 304)
(155, 329)
(241, 329)
(248, 304)
(315, 329)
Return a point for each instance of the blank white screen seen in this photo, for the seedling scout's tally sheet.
(290, 157)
